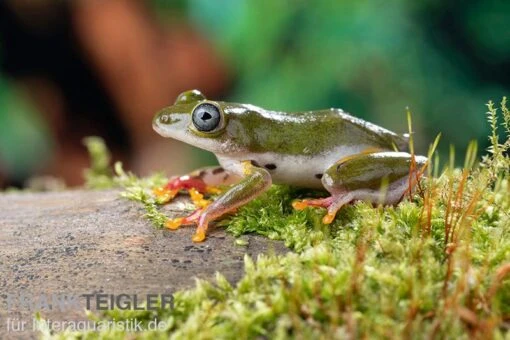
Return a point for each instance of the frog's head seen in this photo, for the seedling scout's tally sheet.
(194, 120)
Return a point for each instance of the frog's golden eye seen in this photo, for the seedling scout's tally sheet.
(206, 117)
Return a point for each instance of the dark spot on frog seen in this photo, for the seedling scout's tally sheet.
(218, 171)
(318, 176)
(270, 166)
(254, 163)
(226, 177)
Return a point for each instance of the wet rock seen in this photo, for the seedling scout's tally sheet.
(86, 242)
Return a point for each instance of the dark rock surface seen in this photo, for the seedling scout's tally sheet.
(87, 242)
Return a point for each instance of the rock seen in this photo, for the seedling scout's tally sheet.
(87, 242)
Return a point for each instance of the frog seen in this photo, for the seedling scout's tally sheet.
(352, 159)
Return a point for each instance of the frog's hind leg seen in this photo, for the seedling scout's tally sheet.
(379, 177)
(391, 195)
(197, 183)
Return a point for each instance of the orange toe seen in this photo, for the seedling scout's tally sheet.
(299, 205)
(328, 218)
(164, 195)
(174, 224)
(199, 236)
(198, 199)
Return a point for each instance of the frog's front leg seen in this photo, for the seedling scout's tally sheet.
(379, 177)
(254, 182)
(199, 182)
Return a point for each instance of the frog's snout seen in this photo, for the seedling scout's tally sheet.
(168, 123)
(159, 120)
(156, 125)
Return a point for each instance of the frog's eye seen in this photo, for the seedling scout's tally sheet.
(188, 97)
(206, 117)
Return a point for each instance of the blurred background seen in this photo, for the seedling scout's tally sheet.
(70, 69)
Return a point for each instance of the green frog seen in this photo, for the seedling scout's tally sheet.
(351, 158)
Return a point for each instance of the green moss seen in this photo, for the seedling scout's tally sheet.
(436, 265)
(99, 175)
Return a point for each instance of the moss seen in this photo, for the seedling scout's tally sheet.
(99, 175)
(436, 265)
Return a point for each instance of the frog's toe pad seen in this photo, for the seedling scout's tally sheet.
(299, 205)
(164, 195)
(199, 236)
(328, 218)
(198, 199)
(174, 224)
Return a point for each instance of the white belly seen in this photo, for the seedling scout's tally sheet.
(296, 170)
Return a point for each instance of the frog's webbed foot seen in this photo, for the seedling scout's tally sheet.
(176, 223)
(201, 182)
(193, 218)
(332, 204)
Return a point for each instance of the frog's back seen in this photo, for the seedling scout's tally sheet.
(311, 132)
(297, 147)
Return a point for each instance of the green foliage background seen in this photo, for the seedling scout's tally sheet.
(441, 59)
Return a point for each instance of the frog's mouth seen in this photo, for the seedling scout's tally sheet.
(159, 129)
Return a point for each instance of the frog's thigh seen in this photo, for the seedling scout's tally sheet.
(381, 177)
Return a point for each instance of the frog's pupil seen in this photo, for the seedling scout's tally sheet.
(206, 116)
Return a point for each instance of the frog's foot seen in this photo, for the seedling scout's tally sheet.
(164, 195)
(175, 223)
(197, 217)
(205, 181)
(198, 198)
(199, 201)
(255, 181)
(194, 185)
(332, 204)
(321, 202)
